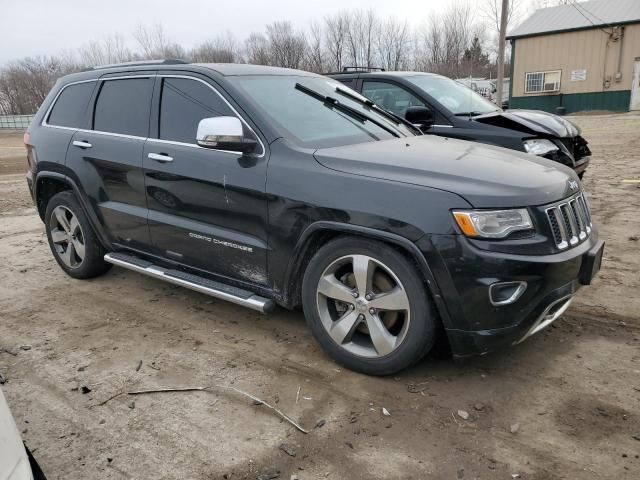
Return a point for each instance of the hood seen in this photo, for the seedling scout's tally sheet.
(486, 176)
(532, 122)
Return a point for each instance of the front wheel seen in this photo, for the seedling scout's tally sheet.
(71, 238)
(367, 306)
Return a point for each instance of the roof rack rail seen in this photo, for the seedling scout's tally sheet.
(136, 63)
(362, 69)
(355, 70)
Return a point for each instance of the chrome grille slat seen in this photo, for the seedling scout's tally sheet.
(579, 215)
(572, 229)
(583, 202)
(570, 221)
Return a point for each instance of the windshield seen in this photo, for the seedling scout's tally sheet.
(459, 99)
(311, 122)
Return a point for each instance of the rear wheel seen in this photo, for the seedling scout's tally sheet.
(367, 306)
(71, 238)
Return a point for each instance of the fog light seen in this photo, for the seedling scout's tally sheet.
(505, 293)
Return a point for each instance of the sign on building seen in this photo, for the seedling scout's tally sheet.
(578, 75)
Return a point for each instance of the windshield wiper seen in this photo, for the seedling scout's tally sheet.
(352, 112)
(385, 113)
(467, 114)
(474, 114)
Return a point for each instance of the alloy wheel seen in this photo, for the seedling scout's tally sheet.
(67, 236)
(363, 306)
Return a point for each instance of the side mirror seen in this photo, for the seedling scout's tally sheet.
(422, 116)
(224, 133)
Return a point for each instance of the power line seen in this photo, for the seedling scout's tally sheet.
(580, 11)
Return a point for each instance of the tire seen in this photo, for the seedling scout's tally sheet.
(71, 238)
(398, 332)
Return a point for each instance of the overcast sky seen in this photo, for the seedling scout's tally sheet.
(45, 27)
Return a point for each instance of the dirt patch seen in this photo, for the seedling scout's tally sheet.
(13, 158)
(570, 395)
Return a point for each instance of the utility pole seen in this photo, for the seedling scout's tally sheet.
(501, 35)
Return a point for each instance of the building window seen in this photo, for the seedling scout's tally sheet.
(542, 82)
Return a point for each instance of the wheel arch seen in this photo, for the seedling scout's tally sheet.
(321, 232)
(48, 184)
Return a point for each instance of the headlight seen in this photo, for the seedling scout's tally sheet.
(540, 146)
(492, 223)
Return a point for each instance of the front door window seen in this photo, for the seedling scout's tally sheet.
(391, 97)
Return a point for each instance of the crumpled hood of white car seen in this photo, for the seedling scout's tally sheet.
(14, 464)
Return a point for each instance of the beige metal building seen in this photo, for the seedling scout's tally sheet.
(581, 56)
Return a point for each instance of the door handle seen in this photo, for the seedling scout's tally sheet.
(160, 157)
(77, 143)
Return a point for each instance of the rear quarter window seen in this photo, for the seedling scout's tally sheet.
(71, 106)
(123, 107)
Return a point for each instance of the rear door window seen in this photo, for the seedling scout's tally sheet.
(123, 107)
(183, 104)
(71, 106)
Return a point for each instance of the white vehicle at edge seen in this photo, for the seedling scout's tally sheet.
(14, 463)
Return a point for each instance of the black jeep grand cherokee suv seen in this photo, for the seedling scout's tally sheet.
(261, 185)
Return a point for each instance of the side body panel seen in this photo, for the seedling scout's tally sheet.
(110, 174)
(302, 192)
(207, 208)
(49, 143)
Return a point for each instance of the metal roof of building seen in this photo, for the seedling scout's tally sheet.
(577, 16)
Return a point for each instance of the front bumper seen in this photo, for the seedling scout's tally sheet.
(464, 273)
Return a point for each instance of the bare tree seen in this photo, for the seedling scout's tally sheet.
(287, 48)
(257, 50)
(394, 44)
(25, 83)
(315, 60)
(155, 43)
(108, 50)
(363, 28)
(429, 46)
(221, 49)
(457, 24)
(452, 43)
(336, 31)
(491, 11)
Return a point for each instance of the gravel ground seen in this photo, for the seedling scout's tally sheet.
(564, 404)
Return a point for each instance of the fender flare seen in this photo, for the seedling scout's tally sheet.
(300, 250)
(91, 216)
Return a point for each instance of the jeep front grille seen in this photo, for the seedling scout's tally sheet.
(570, 221)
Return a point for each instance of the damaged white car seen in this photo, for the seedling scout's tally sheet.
(15, 463)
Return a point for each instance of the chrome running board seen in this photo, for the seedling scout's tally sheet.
(199, 284)
(547, 318)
